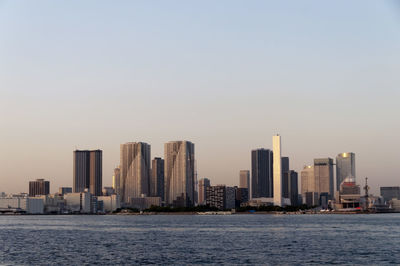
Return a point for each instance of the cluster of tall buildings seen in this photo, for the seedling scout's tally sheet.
(172, 179)
(140, 181)
(318, 182)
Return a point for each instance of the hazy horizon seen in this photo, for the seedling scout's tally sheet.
(226, 75)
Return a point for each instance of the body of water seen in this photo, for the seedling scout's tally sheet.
(195, 239)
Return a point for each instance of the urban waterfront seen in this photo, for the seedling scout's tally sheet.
(193, 239)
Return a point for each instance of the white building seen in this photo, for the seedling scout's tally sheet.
(78, 202)
(110, 203)
(27, 204)
(277, 169)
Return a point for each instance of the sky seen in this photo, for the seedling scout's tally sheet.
(226, 75)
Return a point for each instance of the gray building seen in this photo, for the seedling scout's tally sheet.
(242, 196)
(261, 173)
(323, 174)
(157, 178)
(88, 171)
(179, 173)
(204, 183)
(345, 167)
(285, 177)
(135, 170)
(221, 197)
(389, 193)
(39, 187)
(293, 188)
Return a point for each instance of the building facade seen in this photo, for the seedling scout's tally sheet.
(221, 197)
(345, 167)
(277, 170)
(323, 174)
(64, 190)
(39, 187)
(308, 182)
(204, 183)
(179, 173)
(88, 171)
(389, 193)
(135, 170)
(116, 181)
(261, 173)
(157, 178)
(244, 177)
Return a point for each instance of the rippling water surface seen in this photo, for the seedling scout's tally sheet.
(187, 239)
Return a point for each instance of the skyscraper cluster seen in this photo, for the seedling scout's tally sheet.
(317, 180)
(172, 179)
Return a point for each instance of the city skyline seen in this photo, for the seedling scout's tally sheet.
(215, 73)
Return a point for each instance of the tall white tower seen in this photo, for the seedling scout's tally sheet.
(277, 167)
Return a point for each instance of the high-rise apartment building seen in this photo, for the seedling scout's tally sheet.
(323, 174)
(345, 167)
(39, 187)
(157, 178)
(261, 173)
(135, 170)
(204, 183)
(277, 170)
(221, 197)
(179, 173)
(88, 171)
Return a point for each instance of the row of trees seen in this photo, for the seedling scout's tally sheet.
(206, 208)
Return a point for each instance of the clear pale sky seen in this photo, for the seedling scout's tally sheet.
(226, 75)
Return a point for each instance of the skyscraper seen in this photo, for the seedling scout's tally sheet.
(261, 173)
(135, 170)
(39, 187)
(307, 179)
(285, 177)
(179, 173)
(345, 167)
(323, 174)
(203, 184)
(116, 181)
(293, 187)
(244, 179)
(88, 171)
(157, 178)
(277, 169)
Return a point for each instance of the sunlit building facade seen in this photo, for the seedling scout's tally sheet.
(179, 173)
(277, 170)
(345, 167)
(135, 170)
(88, 171)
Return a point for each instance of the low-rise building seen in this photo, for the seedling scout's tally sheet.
(110, 203)
(79, 202)
(64, 190)
(221, 197)
(53, 203)
(27, 204)
(389, 193)
(143, 202)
